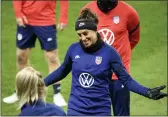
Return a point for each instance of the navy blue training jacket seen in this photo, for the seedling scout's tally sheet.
(39, 108)
(91, 75)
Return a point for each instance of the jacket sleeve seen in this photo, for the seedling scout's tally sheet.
(17, 5)
(61, 72)
(133, 26)
(63, 11)
(119, 69)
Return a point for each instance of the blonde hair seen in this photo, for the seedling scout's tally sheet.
(29, 86)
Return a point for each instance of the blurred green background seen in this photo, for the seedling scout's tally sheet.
(149, 58)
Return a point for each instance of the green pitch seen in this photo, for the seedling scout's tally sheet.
(149, 58)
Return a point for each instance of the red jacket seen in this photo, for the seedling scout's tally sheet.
(119, 28)
(41, 13)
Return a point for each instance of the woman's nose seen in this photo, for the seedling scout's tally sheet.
(83, 37)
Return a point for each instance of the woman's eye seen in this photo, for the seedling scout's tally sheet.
(85, 34)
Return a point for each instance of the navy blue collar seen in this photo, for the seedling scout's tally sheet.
(36, 103)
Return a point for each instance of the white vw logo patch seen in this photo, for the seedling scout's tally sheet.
(86, 80)
(107, 35)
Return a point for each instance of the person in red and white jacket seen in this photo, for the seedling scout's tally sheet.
(37, 19)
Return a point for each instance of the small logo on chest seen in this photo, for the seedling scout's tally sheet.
(98, 60)
(116, 19)
(77, 56)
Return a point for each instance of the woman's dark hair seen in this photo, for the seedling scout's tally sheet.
(88, 15)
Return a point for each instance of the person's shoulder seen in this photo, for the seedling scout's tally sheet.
(42, 109)
(59, 111)
(126, 5)
(73, 45)
(130, 12)
(88, 5)
(27, 111)
(108, 47)
(111, 52)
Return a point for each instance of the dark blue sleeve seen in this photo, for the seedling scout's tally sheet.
(120, 71)
(59, 111)
(62, 71)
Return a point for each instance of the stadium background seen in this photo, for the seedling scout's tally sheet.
(149, 58)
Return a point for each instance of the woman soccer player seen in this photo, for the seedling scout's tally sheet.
(92, 63)
(30, 89)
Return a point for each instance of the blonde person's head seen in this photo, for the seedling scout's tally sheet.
(29, 86)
